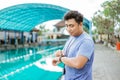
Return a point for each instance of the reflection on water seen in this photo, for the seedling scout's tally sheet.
(47, 65)
(19, 60)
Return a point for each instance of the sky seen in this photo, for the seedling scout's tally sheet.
(86, 7)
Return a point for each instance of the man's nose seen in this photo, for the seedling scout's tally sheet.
(68, 28)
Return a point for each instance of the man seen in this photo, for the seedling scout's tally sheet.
(78, 52)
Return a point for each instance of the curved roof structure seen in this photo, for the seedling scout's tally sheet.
(24, 17)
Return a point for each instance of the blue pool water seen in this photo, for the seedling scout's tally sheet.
(32, 63)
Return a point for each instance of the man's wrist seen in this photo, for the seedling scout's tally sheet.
(60, 58)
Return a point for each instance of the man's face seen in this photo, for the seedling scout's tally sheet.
(73, 27)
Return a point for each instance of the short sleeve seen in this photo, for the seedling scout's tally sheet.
(86, 48)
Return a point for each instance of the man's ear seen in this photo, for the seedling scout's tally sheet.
(80, 24)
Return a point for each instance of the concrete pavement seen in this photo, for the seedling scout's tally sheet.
(106, 63)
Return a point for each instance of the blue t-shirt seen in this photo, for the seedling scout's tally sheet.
(75, 46)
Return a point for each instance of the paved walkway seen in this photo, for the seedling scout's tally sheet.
(106, 63)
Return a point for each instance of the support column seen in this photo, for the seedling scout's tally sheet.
(22, 38)
(16, 42)
(5, 37)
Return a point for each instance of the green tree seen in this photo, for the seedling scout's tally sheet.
(103, 24)
(112, 11)
(97, 21)
(42, 29)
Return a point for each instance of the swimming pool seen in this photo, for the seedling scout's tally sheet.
(32, 63)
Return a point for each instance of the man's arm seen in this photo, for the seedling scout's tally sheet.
(76, 62)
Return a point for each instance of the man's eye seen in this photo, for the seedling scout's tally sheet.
(71, 25)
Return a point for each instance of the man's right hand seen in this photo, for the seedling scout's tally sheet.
(55, 61)
(58, 53)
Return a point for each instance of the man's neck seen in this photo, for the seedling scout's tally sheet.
(80, 33)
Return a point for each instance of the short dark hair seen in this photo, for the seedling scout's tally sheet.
(74, 15)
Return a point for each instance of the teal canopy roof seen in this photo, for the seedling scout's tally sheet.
(24, 17)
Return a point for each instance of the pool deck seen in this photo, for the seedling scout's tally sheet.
(106, 63)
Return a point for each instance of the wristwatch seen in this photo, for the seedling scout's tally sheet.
(60, 58)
